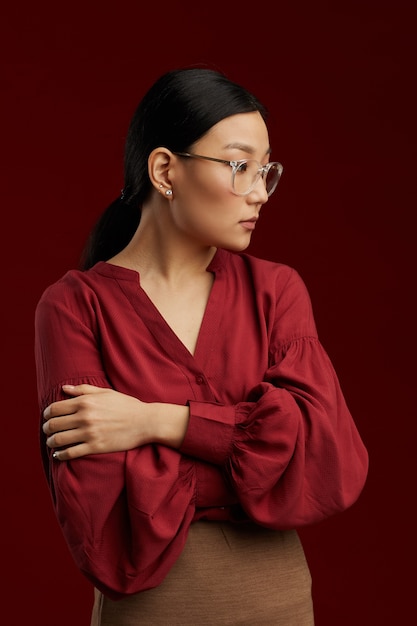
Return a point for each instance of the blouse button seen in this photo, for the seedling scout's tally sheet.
(199, 380)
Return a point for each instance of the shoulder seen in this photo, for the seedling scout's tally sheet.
(67, 287)
(77, 293)
(85, 293)
(95, 281)
(278, 290)
(266, 275)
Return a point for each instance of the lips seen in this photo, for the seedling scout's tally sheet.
(249, 224)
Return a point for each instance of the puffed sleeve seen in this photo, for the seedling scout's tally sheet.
(125, 515)
(291, 450)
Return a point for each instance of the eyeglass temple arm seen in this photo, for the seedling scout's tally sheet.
(199, 156)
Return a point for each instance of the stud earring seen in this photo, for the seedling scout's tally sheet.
(160, 186)
(168, 192)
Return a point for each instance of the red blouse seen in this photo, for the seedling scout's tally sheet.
(270, 437)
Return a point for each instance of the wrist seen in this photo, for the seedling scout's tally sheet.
(171, 421)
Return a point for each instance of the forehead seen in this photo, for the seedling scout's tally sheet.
(244, 129)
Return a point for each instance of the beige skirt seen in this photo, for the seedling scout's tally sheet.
(227, 574)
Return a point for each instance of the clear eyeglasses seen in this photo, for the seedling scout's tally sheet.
(246, 173)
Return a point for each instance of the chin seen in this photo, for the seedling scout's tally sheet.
(235, 247)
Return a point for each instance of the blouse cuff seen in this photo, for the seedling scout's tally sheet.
(210, 432)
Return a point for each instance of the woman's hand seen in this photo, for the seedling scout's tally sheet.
(97, 420)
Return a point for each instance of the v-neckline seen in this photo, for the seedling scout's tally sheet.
(162, 319)
(129, 281)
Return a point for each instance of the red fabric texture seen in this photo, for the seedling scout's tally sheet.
(270, 436)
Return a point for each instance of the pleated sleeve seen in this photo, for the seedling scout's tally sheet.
(290, 450)
(125, 515)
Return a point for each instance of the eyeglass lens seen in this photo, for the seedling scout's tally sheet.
(247, 175)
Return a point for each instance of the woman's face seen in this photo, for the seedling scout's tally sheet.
(204, 205)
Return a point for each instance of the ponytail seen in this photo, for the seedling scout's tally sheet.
(111, 233)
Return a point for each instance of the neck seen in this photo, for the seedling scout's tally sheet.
(158, 248)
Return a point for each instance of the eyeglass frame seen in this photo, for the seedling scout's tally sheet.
(262, 170)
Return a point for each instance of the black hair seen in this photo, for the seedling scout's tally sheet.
(178, 109)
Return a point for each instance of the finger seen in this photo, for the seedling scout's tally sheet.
(48, 427)
(68, 406)
(80, 390)
(64, 438)
(73, 452)
(60, 423)
(61, 407)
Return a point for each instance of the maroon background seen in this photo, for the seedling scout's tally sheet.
(339, 78)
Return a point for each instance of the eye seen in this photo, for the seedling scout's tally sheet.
(242, 167)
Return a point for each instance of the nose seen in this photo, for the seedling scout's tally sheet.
(259, 191)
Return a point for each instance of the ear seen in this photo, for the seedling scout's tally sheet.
(159, 165)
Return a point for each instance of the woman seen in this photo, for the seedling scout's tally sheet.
(191, 418)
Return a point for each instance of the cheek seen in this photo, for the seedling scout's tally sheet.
(201, 215)
(210, 182)
(212, 221)
(204, 203)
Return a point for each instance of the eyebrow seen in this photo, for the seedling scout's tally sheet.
(244, 147)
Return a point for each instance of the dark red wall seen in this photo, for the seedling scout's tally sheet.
(339, 79)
